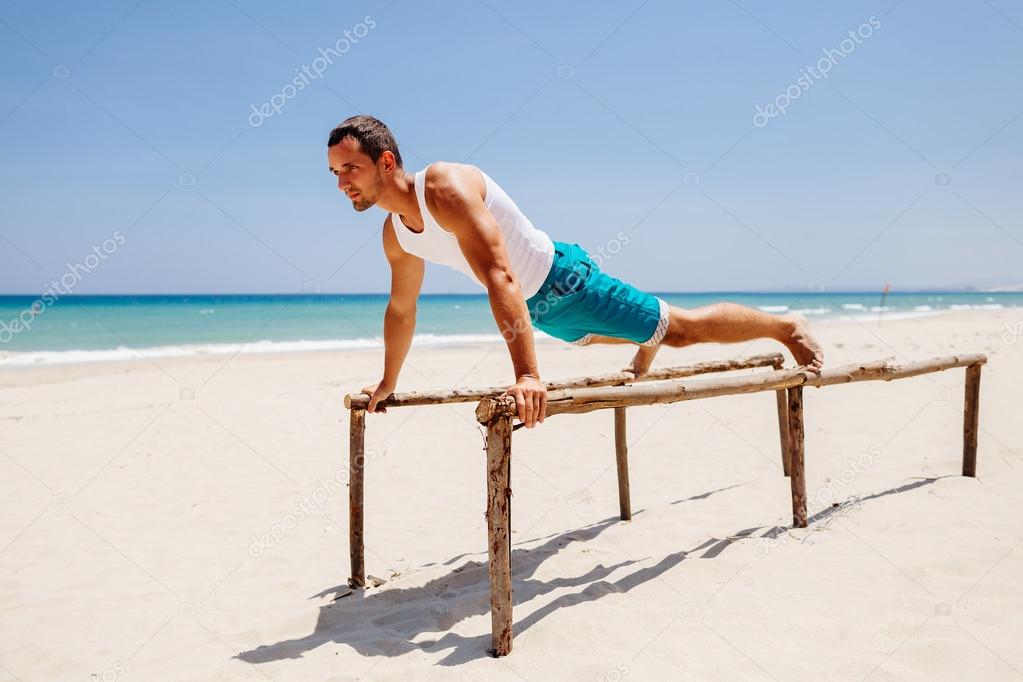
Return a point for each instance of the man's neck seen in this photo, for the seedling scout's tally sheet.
(400, 196)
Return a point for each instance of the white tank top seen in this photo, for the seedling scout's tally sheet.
(530, 251)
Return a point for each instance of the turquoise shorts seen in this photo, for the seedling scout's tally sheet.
(578, 301)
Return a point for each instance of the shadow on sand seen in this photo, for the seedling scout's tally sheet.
(385, 622)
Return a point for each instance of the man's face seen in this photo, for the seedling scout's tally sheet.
(357, 176)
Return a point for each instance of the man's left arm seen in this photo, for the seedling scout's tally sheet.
(454, 196)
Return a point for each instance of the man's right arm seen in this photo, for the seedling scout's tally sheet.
(400, 319)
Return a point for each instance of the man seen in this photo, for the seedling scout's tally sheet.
(456, 215)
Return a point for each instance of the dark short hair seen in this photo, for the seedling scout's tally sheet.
(373, 136)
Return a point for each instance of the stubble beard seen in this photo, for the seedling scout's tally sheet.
(362, 203)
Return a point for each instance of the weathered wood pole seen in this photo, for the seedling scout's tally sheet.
(782, 400)
(971, 410)
(356, 464)
(783, 429)
(466, 395)
(499, 430)
(622, 458)
(797, 474)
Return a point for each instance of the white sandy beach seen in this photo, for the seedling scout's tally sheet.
(181, 519)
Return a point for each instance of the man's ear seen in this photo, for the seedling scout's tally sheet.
(388, 162)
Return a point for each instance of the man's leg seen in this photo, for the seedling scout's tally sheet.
(729, 323)
(608, 310)
(642, 360)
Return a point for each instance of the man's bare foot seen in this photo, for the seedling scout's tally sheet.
(642, 360)
(802, 343)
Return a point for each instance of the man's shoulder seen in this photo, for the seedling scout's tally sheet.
(449, 178)
(442, 168)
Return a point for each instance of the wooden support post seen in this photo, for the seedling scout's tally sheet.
(782, 400)
(622, 458)
(783, 429)
(499, 431)
(797, 474)
(971, 410)
(356, 465)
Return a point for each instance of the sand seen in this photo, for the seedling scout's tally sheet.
(185, 520)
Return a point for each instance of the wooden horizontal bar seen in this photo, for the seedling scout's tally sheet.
(360, 401)
(578, 401)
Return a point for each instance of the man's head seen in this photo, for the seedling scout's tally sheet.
(361, 152)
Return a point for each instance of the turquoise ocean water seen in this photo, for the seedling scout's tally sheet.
(98, 328)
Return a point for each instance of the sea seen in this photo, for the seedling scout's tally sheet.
(79, 328)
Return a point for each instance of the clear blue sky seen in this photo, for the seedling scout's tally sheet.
(110, 111)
